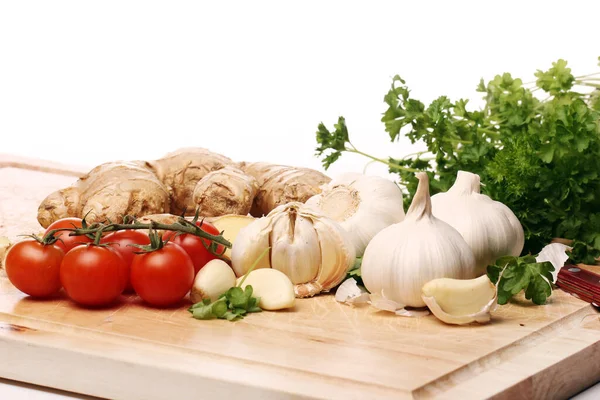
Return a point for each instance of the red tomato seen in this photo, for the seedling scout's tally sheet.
(34, 268)
(199, 254)
(67, 242)
(122, 240)
(93, 275)
(162, 277)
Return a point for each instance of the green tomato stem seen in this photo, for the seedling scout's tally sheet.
(183, 227)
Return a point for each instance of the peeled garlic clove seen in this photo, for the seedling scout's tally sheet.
(350, 293)
(362, 204)
(249, 245)
(459, 302)
(214, 279)
(294, 247)
(273, 287)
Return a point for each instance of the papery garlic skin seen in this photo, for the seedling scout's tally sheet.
(362, 204)
(311, 249)
(489, 227)
(350, 293)
(401, 258)
(556, 254)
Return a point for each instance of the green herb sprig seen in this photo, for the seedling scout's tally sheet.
(519, 274)
(232, 305)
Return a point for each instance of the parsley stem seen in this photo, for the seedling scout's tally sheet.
(418, 154)
(590, 84)
(389, 164)
(253, 266)
(587, 76)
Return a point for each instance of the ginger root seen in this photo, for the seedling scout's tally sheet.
(280, 184)
(225, 191)
(183, 181)
(181, 170)
(108, 191)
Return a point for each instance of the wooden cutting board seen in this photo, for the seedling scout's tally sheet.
(321, 349)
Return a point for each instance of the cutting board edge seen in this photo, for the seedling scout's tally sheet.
(32, 341)
(537, 360)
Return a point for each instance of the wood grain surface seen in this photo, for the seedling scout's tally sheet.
(320, 349)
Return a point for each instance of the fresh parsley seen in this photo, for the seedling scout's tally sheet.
(231, 305)
(518, 274)
(535, 146)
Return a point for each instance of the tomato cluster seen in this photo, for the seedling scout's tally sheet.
(96, 275)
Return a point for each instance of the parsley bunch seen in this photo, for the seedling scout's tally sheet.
(539, 155)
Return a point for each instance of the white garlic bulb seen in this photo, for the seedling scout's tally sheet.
(362, 204)
(489, 227)
(403, 257)
(310, 248)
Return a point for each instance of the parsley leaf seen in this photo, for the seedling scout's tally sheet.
(519, 274)
(231, 305)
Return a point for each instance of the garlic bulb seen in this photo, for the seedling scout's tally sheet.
(489, 227)
(403, 257)
(362, 204)
(311, 249)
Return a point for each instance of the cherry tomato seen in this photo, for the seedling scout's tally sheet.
(199, 254)
(34, 267)
(67, 242)
(122, 240)
(162, 277)
(93, 275)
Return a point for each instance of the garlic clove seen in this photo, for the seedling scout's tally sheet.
(249, 244)
(458, 302)
(350, 293)
(273, 288)
(295, 247)
(337, 257)
(214, 279)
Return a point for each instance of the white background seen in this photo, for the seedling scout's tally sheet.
(90, 82)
